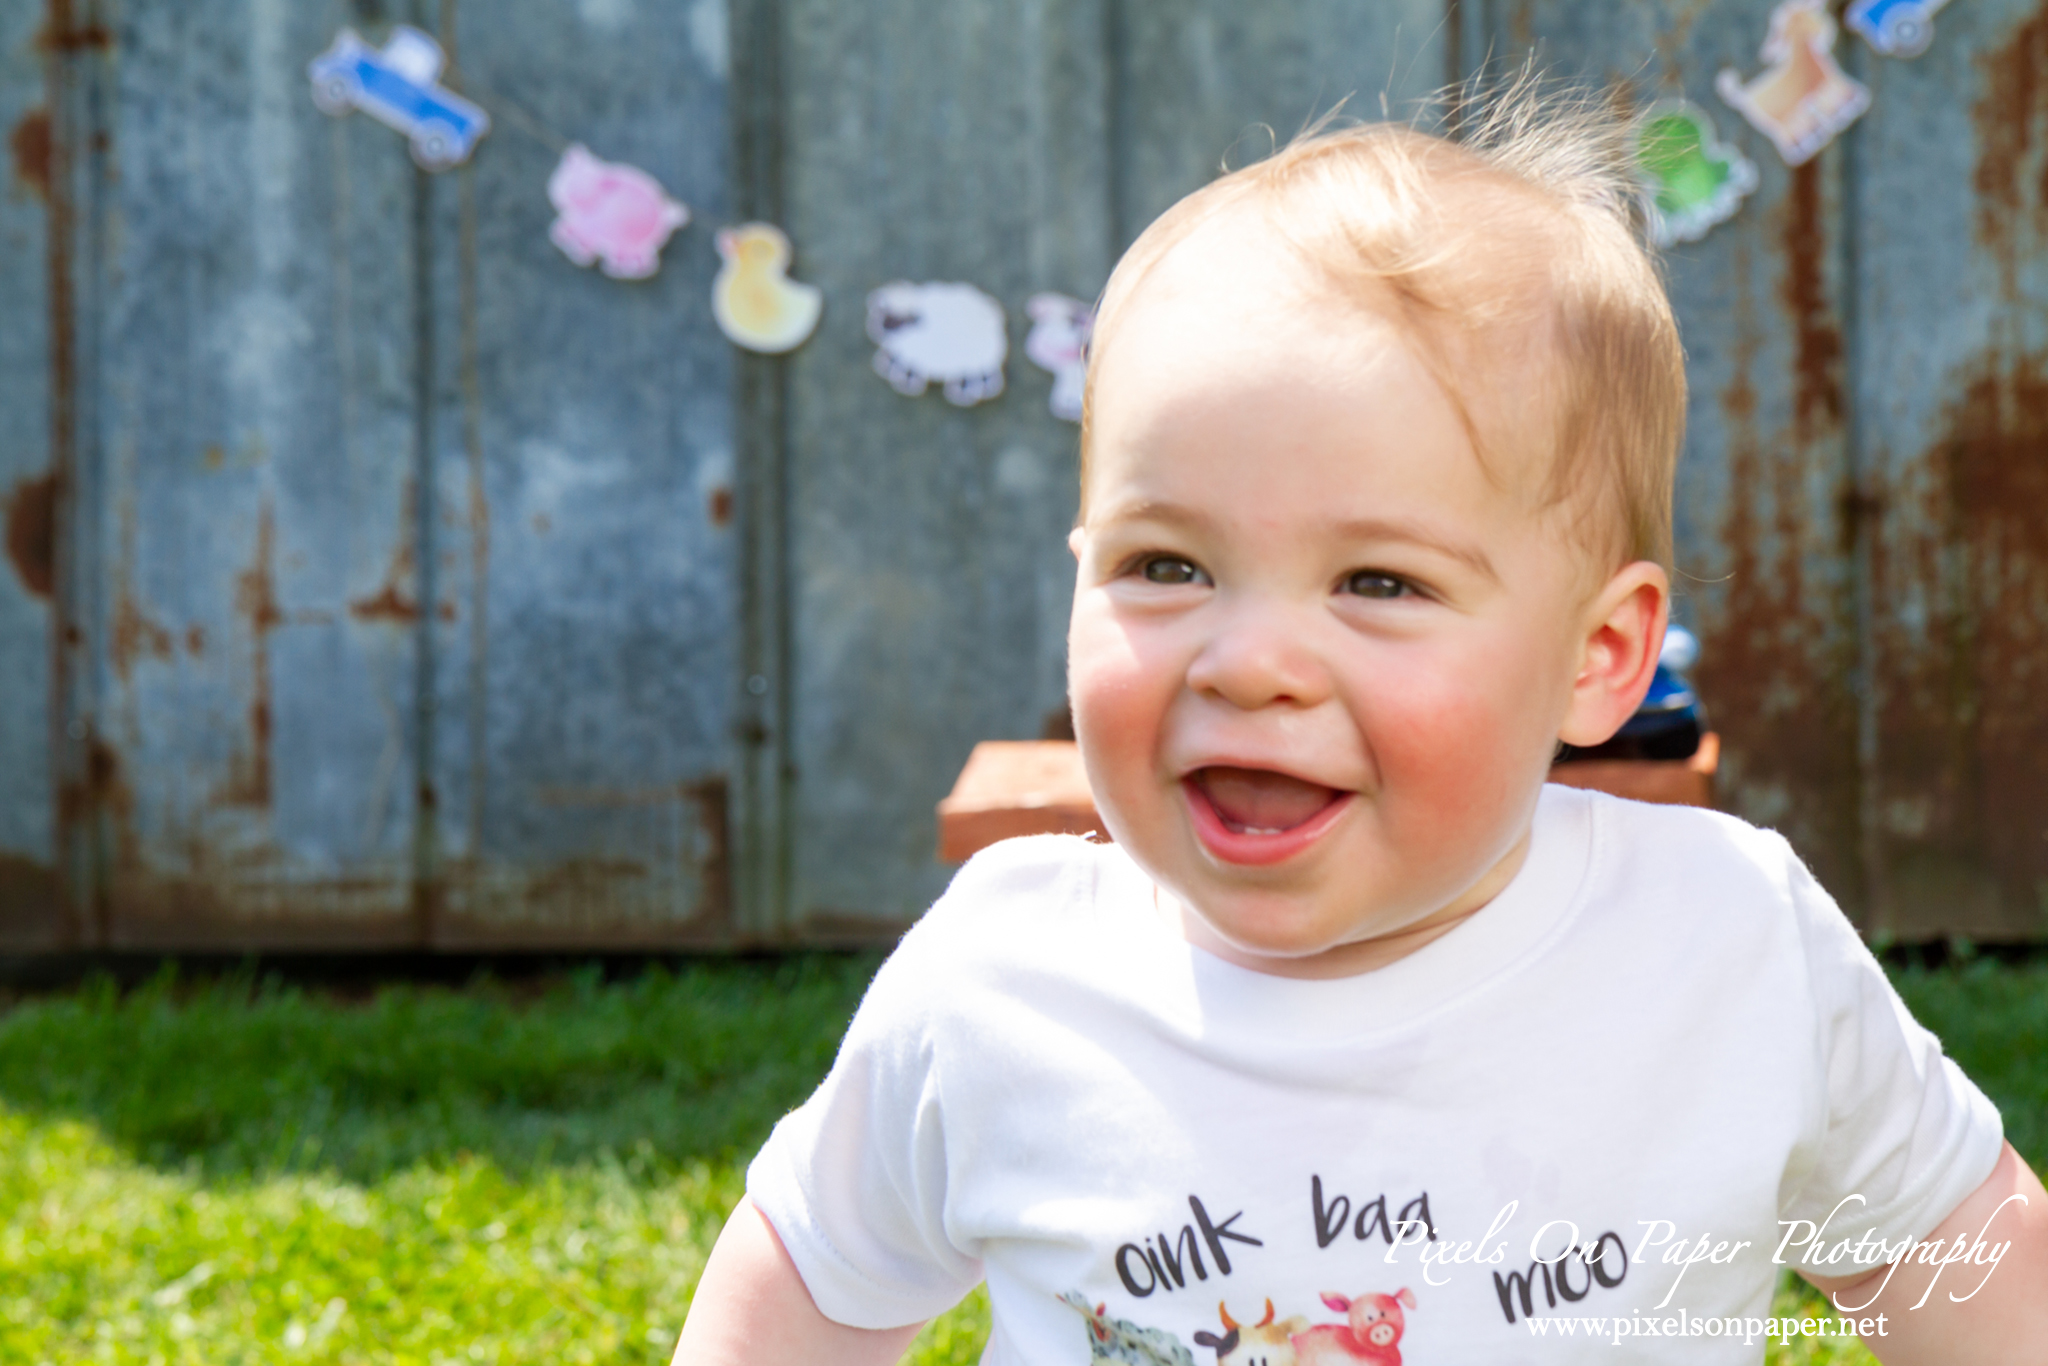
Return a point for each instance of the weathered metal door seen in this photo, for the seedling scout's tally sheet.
(380, 577)
(1863, 504)
(393, 592)
(1019, 147)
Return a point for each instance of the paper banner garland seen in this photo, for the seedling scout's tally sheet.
(951, 333)
(1894, 28)
(610, 213)
(1058, 341)
(399, 86)
(756, 303)
(1691, 180)
(1803, 98)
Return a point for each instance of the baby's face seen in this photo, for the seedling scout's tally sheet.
(1319, 660)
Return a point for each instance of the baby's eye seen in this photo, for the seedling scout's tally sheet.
(1370, 583)
(1170, 569)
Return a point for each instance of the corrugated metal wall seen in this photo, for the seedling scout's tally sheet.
(1863, 509)
(380, 578)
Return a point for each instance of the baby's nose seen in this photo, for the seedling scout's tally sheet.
(1258, 656)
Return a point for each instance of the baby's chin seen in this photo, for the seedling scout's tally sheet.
(1281, 944)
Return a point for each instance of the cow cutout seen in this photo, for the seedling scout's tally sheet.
(1058, 342)
(1803, 99)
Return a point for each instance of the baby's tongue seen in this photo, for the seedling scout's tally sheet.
(1253, 799)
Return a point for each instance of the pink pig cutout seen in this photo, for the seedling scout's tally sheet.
(610, 213)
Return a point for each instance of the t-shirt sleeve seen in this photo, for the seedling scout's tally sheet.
(1904, 1129)
(854, 1181)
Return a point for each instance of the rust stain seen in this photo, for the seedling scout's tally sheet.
(387, 604)
(721, 506)
(714, 869)
(1817, 337)
(195, 640)
(1522, 23)
(63, 427)
(60, 35)
(32, 533)
(542, 523)
(1966, 732)
(581, 880)
(100, 788)
(30, 898)
(1772, 665)
(256, 599)
(393, 602)
(33, 152)
(1670, 40)
(2009, 118)
(133, 633)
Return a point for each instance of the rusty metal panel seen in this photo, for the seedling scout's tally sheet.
(30, 913)
(249, 494)
(1951, 219)
(583, 650)
(325, 705)
(927, 580)
(1764, 569)
(1017, 148)
(1865, 481)
(379, 577)
(1206, 84)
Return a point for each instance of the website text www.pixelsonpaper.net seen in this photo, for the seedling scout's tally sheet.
(1616, 1330)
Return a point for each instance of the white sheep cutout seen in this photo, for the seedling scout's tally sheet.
(947, 332)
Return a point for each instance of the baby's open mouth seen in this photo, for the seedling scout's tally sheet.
(1257, 801)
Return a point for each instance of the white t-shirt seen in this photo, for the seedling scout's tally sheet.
(1663, 1034)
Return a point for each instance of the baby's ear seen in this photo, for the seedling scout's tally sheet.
(1075, 540)
(1624, 633)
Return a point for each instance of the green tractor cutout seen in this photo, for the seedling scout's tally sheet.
(1691, 180)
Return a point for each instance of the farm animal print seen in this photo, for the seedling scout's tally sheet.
(611, 214)
(755, 302)
(1803, 98)
(1370, 1334)
(1058, 343)
(951, 333)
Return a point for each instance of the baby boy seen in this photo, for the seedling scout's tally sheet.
(1359, 1043)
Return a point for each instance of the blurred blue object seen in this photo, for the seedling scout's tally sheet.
(1896, 28)
(399, 86)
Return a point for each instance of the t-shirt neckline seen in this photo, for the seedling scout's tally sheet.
(1506, 933)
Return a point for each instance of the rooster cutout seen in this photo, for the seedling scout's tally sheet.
(1803, 98)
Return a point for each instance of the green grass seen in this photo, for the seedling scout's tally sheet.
(224, 1171)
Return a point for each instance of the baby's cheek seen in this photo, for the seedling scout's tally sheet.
(1108, 672)
(1463, 756)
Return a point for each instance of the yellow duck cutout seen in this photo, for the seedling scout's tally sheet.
(753, 298)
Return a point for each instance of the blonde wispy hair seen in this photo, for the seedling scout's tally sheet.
(1521, 229)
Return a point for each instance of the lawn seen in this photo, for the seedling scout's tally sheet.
(230, 1170)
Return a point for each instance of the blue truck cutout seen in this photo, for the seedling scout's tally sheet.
(399, 86)
(1895, 28)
